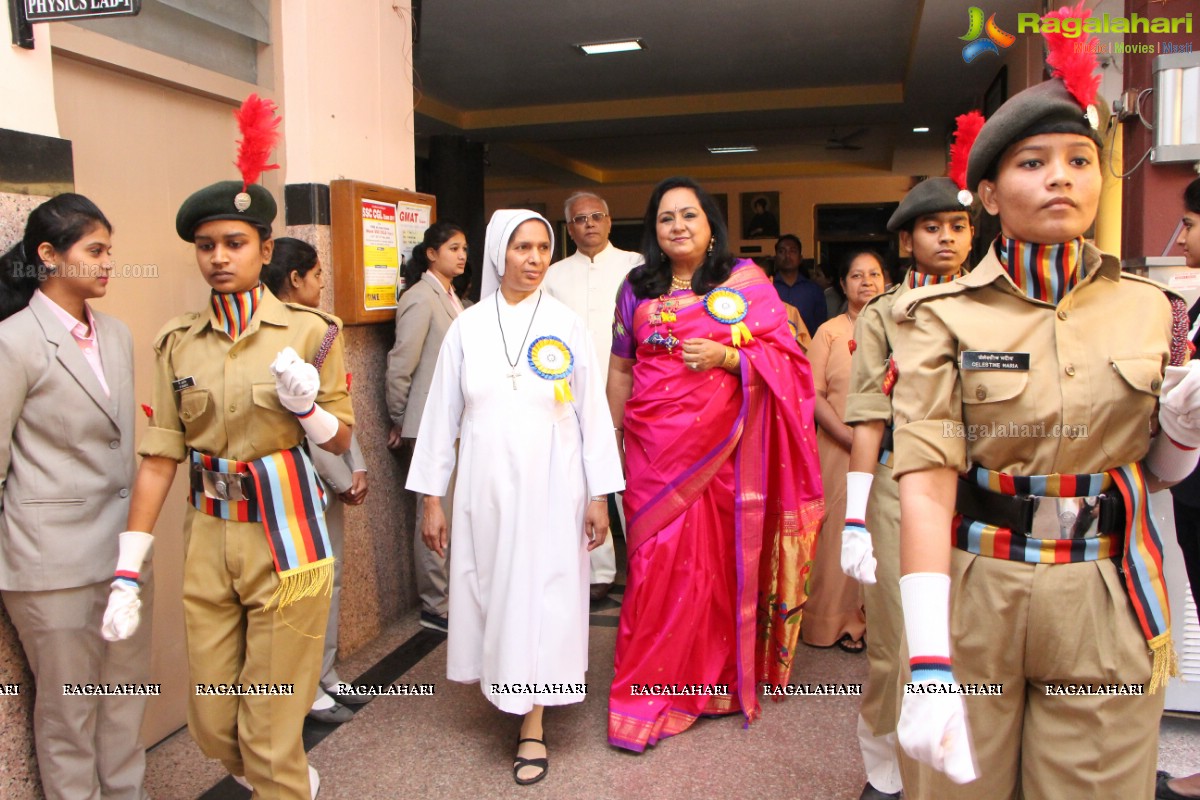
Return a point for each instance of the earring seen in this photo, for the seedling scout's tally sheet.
(662, 257)
(710, 245)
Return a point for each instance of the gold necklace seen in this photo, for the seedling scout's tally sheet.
(680, 283)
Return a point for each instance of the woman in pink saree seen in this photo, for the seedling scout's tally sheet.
(724, 491)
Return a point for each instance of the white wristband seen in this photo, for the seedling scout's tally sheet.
(925, 598)
(319, 425)
(1168, 461)
(858, 489)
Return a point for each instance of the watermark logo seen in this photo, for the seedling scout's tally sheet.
(1074, 27)
(983, 37)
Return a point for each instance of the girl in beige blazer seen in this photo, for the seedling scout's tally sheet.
(66, 469)
(423, 315)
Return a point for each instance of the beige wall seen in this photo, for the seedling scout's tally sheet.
(26, 82)
(346, 69)
(797, 200)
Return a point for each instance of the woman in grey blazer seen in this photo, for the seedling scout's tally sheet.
(423, 315)
(66, 468)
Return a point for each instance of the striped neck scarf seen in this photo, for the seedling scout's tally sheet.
(1043, 272)
(232, 312)
(913, 279)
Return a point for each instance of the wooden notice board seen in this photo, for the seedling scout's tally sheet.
(374, 230)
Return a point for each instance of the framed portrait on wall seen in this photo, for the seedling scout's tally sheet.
(760, 215)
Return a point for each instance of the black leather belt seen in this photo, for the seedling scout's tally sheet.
(1017, 513)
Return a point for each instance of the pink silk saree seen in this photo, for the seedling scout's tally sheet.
(723, 506)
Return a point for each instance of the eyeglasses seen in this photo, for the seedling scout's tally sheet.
(596, 217)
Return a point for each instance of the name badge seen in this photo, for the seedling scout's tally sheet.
(988, 359)
(183, 383)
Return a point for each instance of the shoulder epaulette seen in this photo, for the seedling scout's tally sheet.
(178, 323)
(1167, 290)
(328, 318)
(890, 291)
(906, 305)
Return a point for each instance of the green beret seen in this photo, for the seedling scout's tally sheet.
(225, 200)
(929, 197)
(1043, 108)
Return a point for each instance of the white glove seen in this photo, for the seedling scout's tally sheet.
(121, 617)
(1179, 404)
(296, 381)
(858, 556)
(933, 730)
(933, 727)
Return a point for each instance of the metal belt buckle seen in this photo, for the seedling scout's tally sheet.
(227, 486)
(1065, 517)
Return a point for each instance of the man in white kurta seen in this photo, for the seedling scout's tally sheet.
(587, 282)
(528, 464)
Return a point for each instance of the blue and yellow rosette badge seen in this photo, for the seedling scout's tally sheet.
(551, 359)
(729, 306)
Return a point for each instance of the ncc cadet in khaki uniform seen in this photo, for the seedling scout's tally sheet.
(934, 224)
(235, 393)
(1028, 389)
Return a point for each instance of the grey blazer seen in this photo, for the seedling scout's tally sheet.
(66, 451)
(423, 316)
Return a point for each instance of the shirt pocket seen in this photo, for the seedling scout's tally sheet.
(195, 407)
(274, 427)
(1133, 389)
(266, 395)
(985, 386)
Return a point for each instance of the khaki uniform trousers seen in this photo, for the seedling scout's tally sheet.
(885, 619)
(88, 747)
(228, 576)
(1027, 625)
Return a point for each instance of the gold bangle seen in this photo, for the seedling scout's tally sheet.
(731, 359)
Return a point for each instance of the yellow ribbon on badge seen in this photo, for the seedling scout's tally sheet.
(551, 359)
(729, 306)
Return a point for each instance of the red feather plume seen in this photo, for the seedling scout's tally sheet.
(259, 125)
(1072, 59)
(966, 131)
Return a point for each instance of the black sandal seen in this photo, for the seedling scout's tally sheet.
(521, 761)
(853, 646)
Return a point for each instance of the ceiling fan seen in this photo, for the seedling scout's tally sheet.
(844, 142)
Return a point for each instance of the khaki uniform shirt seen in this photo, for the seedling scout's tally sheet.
(874, 332)
(1086, 401)
(231, 409)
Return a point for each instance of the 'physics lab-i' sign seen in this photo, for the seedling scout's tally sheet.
(55, 10)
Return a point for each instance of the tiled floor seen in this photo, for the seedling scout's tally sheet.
(456, 745)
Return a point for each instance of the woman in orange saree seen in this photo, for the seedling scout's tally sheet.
(724, 491)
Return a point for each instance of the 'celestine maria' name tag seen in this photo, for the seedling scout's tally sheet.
(987, 359)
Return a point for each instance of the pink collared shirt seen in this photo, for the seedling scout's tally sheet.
(84, 335)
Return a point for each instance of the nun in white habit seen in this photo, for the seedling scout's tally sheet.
(517, 383)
